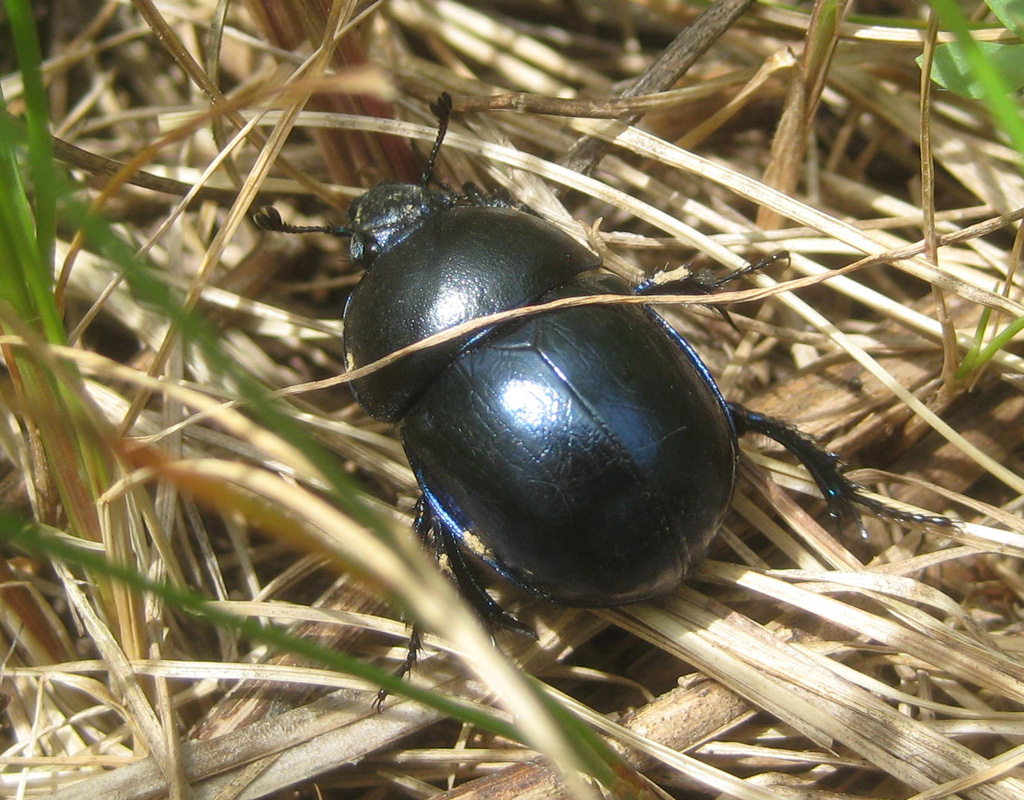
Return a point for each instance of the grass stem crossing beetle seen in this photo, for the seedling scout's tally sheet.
(585, 454)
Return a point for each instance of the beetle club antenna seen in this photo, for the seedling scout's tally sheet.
(442, 108)
(269, 219)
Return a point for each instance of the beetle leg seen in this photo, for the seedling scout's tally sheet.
(422, 526)
(415, 643)
(411, 656)
(437, 537)
(437, 534)
(704, 282)
(499, 198)
(757, 266)
(696, 283)
(841, 494)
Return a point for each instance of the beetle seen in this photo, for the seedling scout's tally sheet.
(586, 454)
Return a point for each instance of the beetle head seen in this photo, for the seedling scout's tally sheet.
(387, 213)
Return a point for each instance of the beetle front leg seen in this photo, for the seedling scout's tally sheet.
(499, 198)
(825, 467)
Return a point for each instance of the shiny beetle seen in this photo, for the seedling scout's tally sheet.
(585, 454)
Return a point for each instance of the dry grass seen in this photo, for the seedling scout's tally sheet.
(802, 663)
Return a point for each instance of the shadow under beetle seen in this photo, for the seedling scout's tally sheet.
(585, 454)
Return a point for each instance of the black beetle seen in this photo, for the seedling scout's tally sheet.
(585, 454)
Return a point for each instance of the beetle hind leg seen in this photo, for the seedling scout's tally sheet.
(841, 494)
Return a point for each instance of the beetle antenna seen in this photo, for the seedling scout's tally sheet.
(442, 108)
(269, 219)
